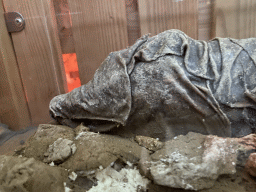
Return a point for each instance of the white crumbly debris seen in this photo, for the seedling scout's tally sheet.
(72, 176)
(51, 164)
(73, 148)
(100, 167)
(80, 135)
(126, 180)
(85, 135)
(129, 164)
(66, 188)
(175, 171)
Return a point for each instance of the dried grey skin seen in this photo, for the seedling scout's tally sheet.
(168, 85)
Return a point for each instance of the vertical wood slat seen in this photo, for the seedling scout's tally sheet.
(159, 15)
(13, 105)
(133, 21)
(64, 26)
(99, 27)
(235, 18)
(247, 10)
(38, 53)
(205, 19)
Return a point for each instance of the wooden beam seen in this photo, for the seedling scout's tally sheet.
(159, 15)
(99, 27)
(13, 104)
(39, 57)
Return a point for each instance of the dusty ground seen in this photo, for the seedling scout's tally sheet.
(239, 182)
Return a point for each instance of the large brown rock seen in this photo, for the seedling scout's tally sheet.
(94, 150)
(56, 143)
(196, 161)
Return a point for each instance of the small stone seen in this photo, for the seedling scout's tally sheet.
(72, 176)
(149, 143)
(129, 164)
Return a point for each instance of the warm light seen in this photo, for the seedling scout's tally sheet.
(71, 70)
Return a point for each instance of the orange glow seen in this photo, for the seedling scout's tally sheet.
(71, 70)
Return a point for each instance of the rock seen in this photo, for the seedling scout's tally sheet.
(53, 131)
(95, 150)
(193, 161)
(27, 174)
(220, 155)
(46, 134)
(151, 144)
(196, 161)
(251, 165)
(246, 146)
(59, 151)
(144, 163)
(54, 143)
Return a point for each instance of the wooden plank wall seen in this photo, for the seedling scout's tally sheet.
(235, 18)
(13, 105)
(99, 27)
(159, 15)
(38, 53)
